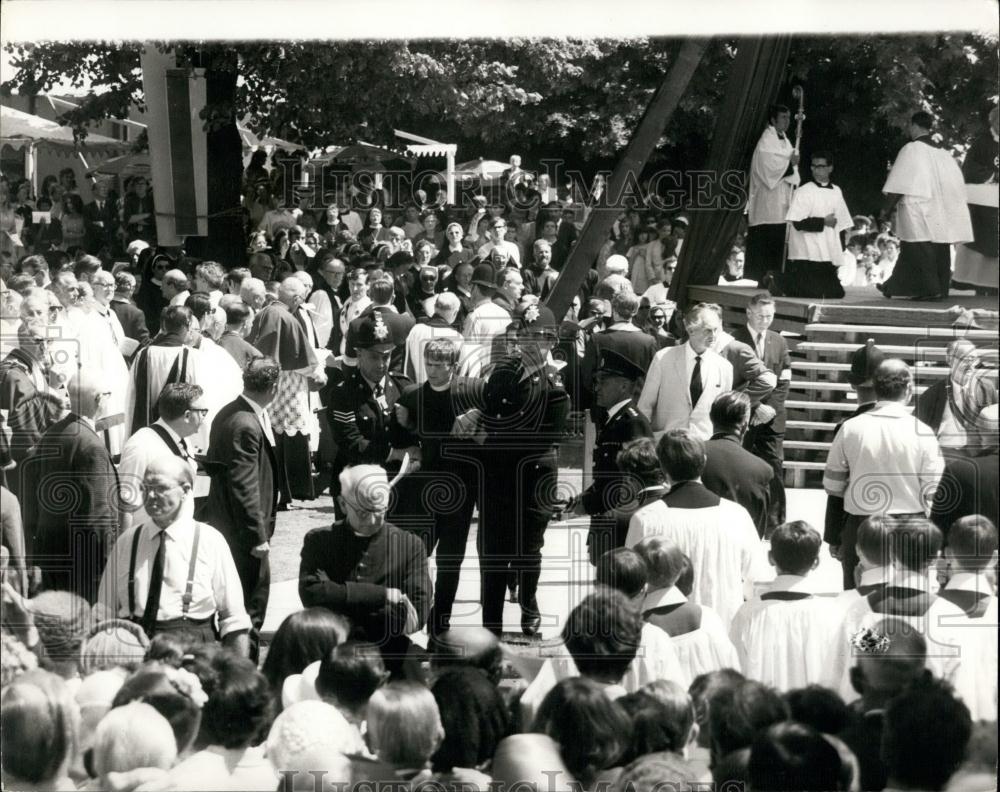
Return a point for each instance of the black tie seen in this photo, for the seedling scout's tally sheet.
(155, 586)
(185, 454)
(696, 387)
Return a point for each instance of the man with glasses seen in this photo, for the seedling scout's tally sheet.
(171, 574)
(71, 515)
(182, 407)
(367, 569)
(245, 472)
(817, 217)
(497, 239)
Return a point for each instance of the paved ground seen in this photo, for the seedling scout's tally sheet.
(566, 575)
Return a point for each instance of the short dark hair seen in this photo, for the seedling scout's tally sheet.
(623, 569)
(775, 110)
(760, 298)
(651, 732)
(922, 119)
(350, 673)
(795, 547)
(239, 699)
(474, 716)
(873, 538)
(151, 684)
(823, 155)
(793, 757)
(973, 541)
(915, 542)
(737, 714)
(704, 688)
(638, 458)
(602, 634)
(381, 290)
(682, 455)
(891, 379)
(175, 319)
(260, 374)
(592, 730)
(199, 303)
(176, 398)
(819, 707)
(86, 265)
(915, 755)
(237, 312)
(730, 411)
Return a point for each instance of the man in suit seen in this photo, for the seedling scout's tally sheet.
(233, 338)
(731, 471)
(684, 381)
(614, 386)
(367, 569)
(766, 434)
(132, 319)
(100, 219)
(244, 492)
(72, 515)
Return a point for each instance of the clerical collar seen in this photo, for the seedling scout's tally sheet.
(797, 583)
(908, 579)
(662, 597)
(827, 186)
(876, 576)
(970, 581)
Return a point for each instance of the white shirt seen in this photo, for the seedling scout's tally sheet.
(786, 643)
(139, 450)
(513, 252)
(884, 461)
(617, 408)
(262, 417)
(217, 587)
(482, 325)
(770, 189)
(420, 334)
(689, 362)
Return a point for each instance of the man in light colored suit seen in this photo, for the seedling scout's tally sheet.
(683, 381)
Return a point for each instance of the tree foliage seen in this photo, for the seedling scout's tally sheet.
(570, 99)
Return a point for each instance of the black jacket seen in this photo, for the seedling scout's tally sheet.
(624, 426)
(777, 359)
(733, 473)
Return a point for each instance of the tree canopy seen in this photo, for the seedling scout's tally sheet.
(568, 99)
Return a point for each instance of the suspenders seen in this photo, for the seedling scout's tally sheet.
(188, 589)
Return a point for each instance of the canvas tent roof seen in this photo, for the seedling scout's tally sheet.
(18, 128)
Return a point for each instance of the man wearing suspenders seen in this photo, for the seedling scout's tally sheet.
(172, 574)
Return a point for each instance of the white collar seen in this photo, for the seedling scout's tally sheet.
(796, 583)
(257, 409)
(661, 597)
(615, 409)
(906, 578)
(970, 581)
(624, 326)
(891, 408)
(876, 576)
(176, 437)
(182, 525)
(689, 353)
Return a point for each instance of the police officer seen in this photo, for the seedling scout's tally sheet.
(362, 403)
(614, 388)
(524, 415)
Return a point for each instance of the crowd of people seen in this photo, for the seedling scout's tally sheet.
(158, 413)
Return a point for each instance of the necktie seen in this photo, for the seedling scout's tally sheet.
(155, 585)
(696, 386)
(266, 424)
(185, 453)
(760, 346)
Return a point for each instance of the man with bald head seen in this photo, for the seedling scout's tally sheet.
(72, 516)
(171, 574)
(281, 334)
(367, 569)
(884, 461)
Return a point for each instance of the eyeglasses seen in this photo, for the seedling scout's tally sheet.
(147, 489)
(200, 410)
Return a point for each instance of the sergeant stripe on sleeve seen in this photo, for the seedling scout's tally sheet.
(343, 417)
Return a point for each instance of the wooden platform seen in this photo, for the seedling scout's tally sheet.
(861, 306)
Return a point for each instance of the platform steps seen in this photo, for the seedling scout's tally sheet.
(820, 395)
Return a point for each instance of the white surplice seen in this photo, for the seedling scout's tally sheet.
(221, 377)
(787, 643)
(933, 205)
(811, 200)
(770, 188)
(722, 543)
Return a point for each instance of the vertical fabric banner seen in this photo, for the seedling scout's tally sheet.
(178, 149)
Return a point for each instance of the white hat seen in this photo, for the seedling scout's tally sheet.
(312, 735)
(300, 687)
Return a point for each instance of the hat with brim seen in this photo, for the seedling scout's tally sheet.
(485, 275)
(864, 361)
(615, 364)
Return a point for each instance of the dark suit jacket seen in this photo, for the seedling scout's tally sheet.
(747, 371)
(930, 404)
(625, 425)
(349, 575)
(777, 359)
(636, 346)
(241, 462)
(241, 350)
(734, 473)
(968, 486)
(133, 320)
(72, 515)
(100, 224)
